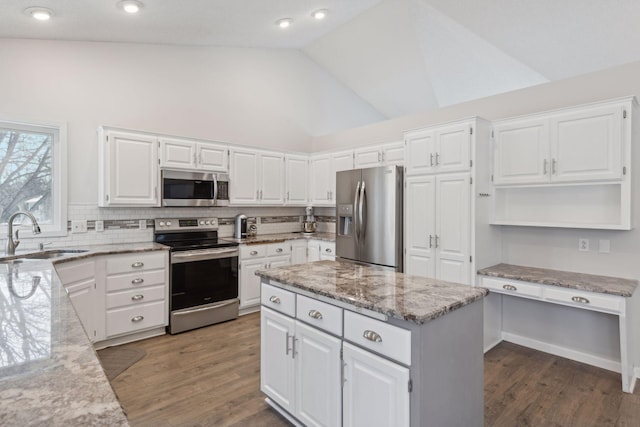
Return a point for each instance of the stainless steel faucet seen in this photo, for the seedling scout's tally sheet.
(13, 244)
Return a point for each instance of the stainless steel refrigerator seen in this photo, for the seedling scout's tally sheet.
(369, 216)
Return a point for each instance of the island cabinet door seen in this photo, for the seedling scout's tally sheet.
(276, 358)
(318, 399)
(376, 391)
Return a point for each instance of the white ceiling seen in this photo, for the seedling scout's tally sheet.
(400, 56)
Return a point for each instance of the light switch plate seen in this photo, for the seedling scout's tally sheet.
(79, 226)
(604, 246)
(99, 225)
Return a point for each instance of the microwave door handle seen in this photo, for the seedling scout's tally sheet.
(215, 188)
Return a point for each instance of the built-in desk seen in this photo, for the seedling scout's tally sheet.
(564, 330)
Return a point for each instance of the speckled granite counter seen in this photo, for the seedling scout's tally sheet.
(394, 294)
(565, 279)
(281, 237)
(49, 372)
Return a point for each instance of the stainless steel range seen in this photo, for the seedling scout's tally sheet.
(203, 273)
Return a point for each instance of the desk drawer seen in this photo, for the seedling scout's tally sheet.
(378, 336)
(586, 300)
(278, 299)
(136, 318)
(135, 296)
(135, 280)
(319, 314)
(512, 287)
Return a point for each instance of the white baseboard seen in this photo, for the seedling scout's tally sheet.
(130, 338)
(492, 344)
(249, 310)
(282, 412)
(568, 353)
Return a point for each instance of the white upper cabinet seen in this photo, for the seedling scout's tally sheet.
(128, 169)
(573, 145)
(379, 155)
(438, 149)
(323, 176)
(192, 155)
(256, 177)
(297, 179)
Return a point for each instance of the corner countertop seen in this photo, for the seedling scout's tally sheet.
(566, 279)
(281, 237)
(49, 372)
(410, 298)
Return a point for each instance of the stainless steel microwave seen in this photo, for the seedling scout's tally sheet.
(182, 188)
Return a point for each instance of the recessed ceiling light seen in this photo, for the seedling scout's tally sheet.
(284, 22)
(320, 14)
(131, 6)
(39, 13)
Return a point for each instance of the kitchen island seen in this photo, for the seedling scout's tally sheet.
(346, 344)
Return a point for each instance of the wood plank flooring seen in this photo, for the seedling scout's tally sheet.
(211, 377)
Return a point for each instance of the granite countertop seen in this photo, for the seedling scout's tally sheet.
(281, 237)
(565, 279)
(405, 297)
(49, 372)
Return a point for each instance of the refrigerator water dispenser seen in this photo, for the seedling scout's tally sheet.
(345, 220)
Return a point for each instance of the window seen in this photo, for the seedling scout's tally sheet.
(33, 176)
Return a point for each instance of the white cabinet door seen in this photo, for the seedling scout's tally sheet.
(131, 169)
(276, 360)
(177, 154)
(453, 228)
(82, 296)
(249, 283)
(420, 226)
(318, 382)
(271, 182)
(212, 157)
(299, 251)
(314, 251)
(393, 153)
(420, 147)
(453, 148)
(521, 152)
(281, 261)
(244, 177)
(586, 145)
(319, 182)
(297, 180)
(376, 391)
(368, 157)
(327, 251)
(341, 161)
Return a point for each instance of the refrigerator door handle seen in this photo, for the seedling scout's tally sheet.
(355, 213)
(362, 219)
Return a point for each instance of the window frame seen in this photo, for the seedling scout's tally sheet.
(58, 226)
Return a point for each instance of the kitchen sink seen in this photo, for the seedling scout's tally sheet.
(54, 253)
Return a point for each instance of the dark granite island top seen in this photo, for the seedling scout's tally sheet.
(412, 298)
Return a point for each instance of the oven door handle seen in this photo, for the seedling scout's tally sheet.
(202, 255)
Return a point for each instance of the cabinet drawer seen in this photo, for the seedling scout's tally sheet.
(135, 262)
(586, 300)
(75, 271)
(278, 249)
(253, 251)
(135, 280)
(135, 296)
(328, 248)
(319, 314)
(278, 299)
(378, 336)
(511, 287)
(135, 318)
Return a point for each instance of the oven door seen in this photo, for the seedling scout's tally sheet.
(180, 188)
(202, 277)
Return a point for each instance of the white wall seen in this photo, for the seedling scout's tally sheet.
(541, 247)
(262, 97)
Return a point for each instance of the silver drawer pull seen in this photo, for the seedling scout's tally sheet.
(253, 253)
(137, 264)
(137, 281)
(279, 250)
(274, 299)
(137, 297)
(580, 299)
(328, 250)
(509, 288)
(372, 336)
(315, 314)
(137, 319)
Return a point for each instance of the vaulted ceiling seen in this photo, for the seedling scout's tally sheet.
(400, 56)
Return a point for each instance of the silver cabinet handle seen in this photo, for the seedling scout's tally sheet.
(279, 250)
(253, 253)
(372, 336)
(437, 159)
(137, 264)
(509, 288)
(293, 346)
(328, 250)
(431, 159)
(274, 299)
(286, 343)
(287, 195)
(437, 238)
(383, 157)
(195, 158)
(137, 297)
(544, 166)
(137, 319)
(330, 195)
(430, 241)
(582, 300)
(553, 166)
(260, 194)
(137, 281)
(257, 194)
(379, 157)
(315, 314)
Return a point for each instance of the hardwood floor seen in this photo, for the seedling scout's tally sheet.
(210, 377)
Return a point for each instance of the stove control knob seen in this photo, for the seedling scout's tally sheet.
(201, 222)
(161, 223)
(208, 222)
(168, 223)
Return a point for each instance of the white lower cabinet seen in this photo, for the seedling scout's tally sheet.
(375, 390)
(299, 249)
(257, 257)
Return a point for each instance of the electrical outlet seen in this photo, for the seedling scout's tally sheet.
(142, 224)
(79, 226)
(99, 225)
(583, 245)
(604, 246)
